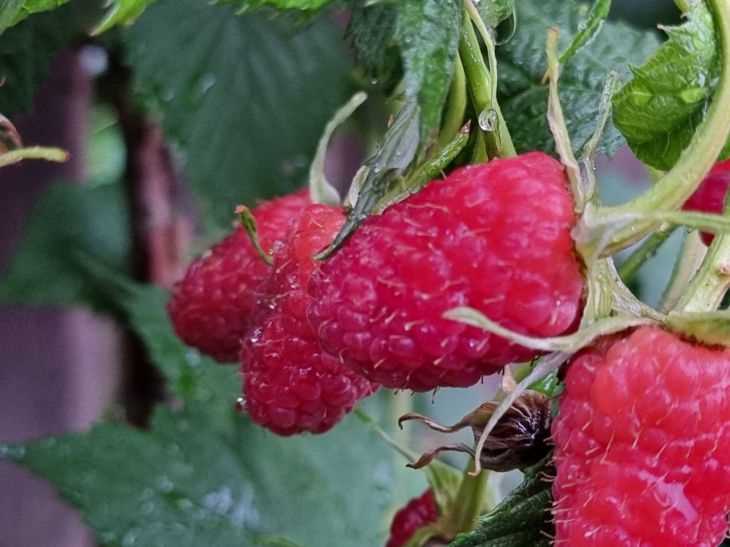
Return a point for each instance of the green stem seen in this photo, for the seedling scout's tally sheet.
(33, 153)
(687, 265)
(673, 189)
(708, 287)
(454, 116)
(498, 141)
(646, 251)
(469, 501)
(507, 147)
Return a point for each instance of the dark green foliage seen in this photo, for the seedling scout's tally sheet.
(245, 97)
(522, 66)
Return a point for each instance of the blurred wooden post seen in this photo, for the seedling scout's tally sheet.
(59, 368)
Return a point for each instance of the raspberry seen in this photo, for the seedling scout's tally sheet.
(416, 514)
(643, 444)
(495, 237)
(211, 306)
(290, 385)
(710, 196)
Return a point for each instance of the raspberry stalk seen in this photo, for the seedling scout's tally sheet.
(483, 84)
(712, 281)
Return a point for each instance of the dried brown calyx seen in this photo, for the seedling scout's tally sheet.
(520, 439)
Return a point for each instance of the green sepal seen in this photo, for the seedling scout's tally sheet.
(321, 190)
(425, 173)
(711, 328)
(396, 153)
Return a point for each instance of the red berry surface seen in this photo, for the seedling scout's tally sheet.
(495, 237)
(643, 444)
(211, 306)
(710, 196)
(416, 514)
(290, 384)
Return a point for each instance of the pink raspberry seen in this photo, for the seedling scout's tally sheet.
(416, 514)
(290, 384)
(211, 306)
(495, 237)
(710, 196)
(643, 444)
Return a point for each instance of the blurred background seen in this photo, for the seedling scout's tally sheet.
(147, 194)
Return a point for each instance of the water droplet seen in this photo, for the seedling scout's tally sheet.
(206, 82)
(240, 405)
(130, 538)
(165, 484)
(488, 120)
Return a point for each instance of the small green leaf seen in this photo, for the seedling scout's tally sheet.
(121, 12)
(522, 519)
(428, 34)
(660, 108)
(522, 93)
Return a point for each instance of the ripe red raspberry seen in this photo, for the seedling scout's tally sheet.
(710, 196)
(416, 514)
(290, 384)
(211, 306)
(643, 444)
(495, 237)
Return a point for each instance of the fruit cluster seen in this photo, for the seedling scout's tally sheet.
(641, 445)
(315, 337)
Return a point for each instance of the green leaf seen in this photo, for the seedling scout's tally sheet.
(523, 518)
(14, 11)
(69, 221)
(187, 484)
(205, 475)
(428, 33)
(26, 50)
(245, 98)
(121, 12)
(523, 96)
(660, 108)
